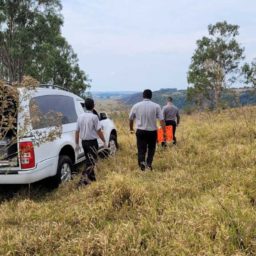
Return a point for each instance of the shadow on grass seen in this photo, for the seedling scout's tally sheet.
(35, 191)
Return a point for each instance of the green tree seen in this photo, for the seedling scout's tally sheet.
(31, 44)
(249, 71)
(215, 64)
(60, 66)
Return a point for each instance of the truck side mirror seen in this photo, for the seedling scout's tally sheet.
(103, 116)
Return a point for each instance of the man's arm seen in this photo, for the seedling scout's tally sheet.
(178, 118)
(131, 118)
(131, 125)
(101, 135)
(99, 130)
(77, 138)
(160, 116)
(162, 123)
(77, 135)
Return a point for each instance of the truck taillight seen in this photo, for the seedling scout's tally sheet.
(27, 155)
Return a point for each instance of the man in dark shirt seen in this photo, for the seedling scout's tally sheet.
(171, 116)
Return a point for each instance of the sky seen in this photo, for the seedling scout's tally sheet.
(132, 45)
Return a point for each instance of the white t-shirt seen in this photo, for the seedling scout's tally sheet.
(88, 124)
(146, 114)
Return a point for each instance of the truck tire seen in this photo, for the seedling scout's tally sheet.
(64, 171)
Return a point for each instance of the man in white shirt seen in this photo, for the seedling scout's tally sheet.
(89, 129)
(146, 113)
(171, 116)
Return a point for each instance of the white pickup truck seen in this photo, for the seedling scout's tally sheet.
(26, 162)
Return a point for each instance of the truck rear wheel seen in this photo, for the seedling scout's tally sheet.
(64, 171)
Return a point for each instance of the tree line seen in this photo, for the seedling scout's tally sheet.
(216, 65)
(31, 44)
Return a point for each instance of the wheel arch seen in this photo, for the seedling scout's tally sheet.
(68, 151)
(113, 132)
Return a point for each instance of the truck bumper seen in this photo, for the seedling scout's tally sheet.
(43, 170)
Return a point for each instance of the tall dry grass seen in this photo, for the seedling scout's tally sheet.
(200, 199)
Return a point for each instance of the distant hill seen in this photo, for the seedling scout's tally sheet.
(111, 94)
(179, 97)
(231, 97)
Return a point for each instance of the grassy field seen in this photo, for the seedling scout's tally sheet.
(200, 199)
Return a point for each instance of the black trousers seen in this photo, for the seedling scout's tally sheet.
(174, 125)
(146, 145)
(91, 153)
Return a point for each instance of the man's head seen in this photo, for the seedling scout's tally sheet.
(169, 99)
(147, 94)
(89, 103)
